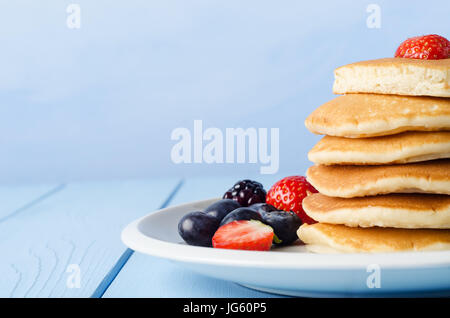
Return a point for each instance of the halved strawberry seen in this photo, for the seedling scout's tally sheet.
(427, 47)
(244, 235)
(288, 194)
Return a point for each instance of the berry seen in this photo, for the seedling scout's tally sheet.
(263, 208)
(288, 194)
(284, 224)
(244, 235)
(197, 228)
(427, 47)
(221, 208)
(241, 214)
(246, 193)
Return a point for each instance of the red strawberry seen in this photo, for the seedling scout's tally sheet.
(288, 194)
(427, 47)
(244, 235)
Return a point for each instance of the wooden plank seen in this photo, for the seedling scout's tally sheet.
(114, 271)
(147, 276)
(72, 237)
(17, 198)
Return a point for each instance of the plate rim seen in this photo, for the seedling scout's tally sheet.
(132, 237)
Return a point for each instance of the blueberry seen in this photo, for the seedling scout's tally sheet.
(221, 208)
(246, 192)
(263, 208)
(241, 214)
(197, 228)
(284, 224)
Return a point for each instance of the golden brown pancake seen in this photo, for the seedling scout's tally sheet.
(357, 181)
(399, 76)
(332, 238)
(370, 115)
(401, 148)
(430, 211)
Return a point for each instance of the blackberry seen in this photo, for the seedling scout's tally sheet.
(246, 193)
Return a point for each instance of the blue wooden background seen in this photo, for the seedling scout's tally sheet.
(86, 117)
(100, 102)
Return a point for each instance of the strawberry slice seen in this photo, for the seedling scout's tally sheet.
(288, 194)
(244, 235)
(427, 47)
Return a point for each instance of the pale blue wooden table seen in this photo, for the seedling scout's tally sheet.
(63, 240)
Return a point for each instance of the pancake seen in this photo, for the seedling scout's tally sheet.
(357, 181)
(369, 115)
(332, 238)
(399, 76)
(431, 211)
(401, 148)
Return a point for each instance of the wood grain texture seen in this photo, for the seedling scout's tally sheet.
(77, 228)
(147, 276)
(14, 199)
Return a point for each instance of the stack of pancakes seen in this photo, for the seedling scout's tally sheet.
(382, 170)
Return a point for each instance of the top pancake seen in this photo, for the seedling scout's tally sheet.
(333, 238)
(406, 147)
(399, 76)
(369, 115)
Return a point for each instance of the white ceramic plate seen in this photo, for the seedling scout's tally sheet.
(292, 270)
